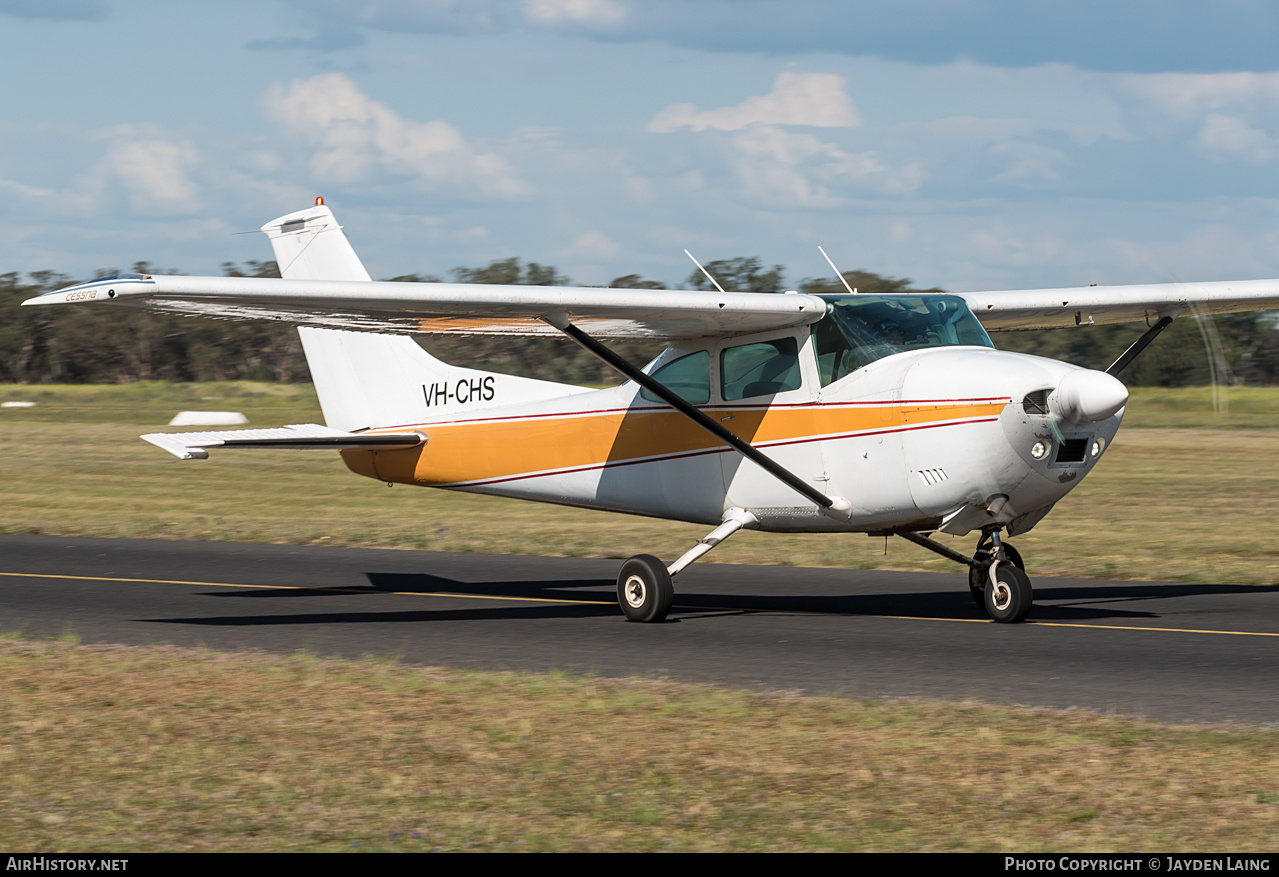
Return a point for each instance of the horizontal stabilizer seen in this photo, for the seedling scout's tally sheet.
(192, 445)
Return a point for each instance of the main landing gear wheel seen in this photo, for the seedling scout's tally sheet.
(1009, 600)
(978, 576)
(644, 589)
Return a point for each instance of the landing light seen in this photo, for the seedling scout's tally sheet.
(1039, 450)
(1098, 446)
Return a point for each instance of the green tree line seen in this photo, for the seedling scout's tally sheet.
(119, 345)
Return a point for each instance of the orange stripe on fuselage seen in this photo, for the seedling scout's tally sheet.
(502, 449)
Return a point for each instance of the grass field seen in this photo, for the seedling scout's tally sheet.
(1185, 493)
(109, 748)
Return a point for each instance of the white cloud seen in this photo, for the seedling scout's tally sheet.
(1029, 164)
(592, 245)
(640, 189)
(814, 99)
(24, 190)
(1000, 245)
(590, 12)
(1225, 107)
(1190, 94)
(1197, 253)
(1231, 137)
(691, 181)
(356, 137)
(788, 169)
(152, 169)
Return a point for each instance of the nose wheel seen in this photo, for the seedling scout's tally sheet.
(1008, 599)
(1006, 596)
(979, 574)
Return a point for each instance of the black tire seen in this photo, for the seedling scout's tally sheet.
(644, 589)
(1010, 600)
(978, 576)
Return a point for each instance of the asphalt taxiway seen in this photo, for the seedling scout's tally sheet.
(1166, 651)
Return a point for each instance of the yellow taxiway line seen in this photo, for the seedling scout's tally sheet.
(1165, 629)
(457, 596)
(1078, 624)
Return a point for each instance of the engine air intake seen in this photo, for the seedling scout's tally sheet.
(1036, 402)
(1072, 450)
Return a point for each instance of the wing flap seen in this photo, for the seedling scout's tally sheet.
(194, 445)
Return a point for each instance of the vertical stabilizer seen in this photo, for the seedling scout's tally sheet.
(310, 245)
(367, 380)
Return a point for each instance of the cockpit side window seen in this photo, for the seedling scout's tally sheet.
(836, 357)
(764, 368)
(859, 329)
(689, 377)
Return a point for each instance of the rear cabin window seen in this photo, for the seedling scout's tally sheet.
(689, 377)
(760, 369)
(859, 329)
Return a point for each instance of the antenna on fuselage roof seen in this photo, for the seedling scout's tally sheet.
(842, 278)
(704, 271)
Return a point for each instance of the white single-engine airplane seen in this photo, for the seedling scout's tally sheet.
(881, 414)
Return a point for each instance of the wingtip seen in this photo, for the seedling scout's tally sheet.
(53, 297)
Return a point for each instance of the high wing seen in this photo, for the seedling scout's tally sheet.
(479, 309)
(456, 308)
(1099, 305)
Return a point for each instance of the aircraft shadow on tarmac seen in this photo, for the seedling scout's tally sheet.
(1062, 600)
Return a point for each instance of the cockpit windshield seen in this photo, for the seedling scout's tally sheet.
(859, 329)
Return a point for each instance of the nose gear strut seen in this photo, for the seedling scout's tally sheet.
(996, 576)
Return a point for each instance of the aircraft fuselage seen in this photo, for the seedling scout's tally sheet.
(956, 437)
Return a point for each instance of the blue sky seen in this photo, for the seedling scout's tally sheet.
(967, 144)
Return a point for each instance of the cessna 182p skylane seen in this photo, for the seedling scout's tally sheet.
(882, 414)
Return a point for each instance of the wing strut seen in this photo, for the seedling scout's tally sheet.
(1138, 346)
(747, 450)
